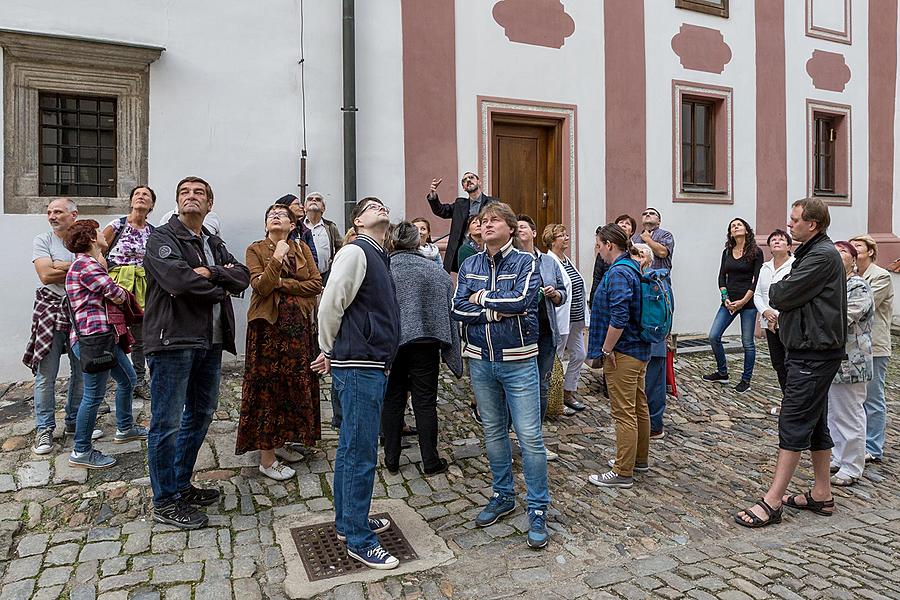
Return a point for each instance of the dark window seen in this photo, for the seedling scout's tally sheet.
(710, 7)
(698, 157)
(824, 155)
(78, 145)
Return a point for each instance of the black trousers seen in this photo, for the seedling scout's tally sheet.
(803, 421)
(415, 371)
(777, 354)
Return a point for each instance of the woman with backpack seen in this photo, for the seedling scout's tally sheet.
(738, 274)
(615, 340)
(127, 240)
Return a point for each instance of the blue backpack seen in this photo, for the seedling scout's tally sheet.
(657, 306)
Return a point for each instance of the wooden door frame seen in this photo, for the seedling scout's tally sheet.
(562, 116)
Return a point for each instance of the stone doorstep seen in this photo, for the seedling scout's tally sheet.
(431, 549)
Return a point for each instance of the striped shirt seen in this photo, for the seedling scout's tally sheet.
(577, 312)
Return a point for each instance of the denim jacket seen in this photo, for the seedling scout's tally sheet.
(502, 323)
(857, 366)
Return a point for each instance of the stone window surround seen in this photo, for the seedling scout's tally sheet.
(35, 62)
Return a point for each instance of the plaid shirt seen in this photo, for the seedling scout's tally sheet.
(46, 318)
(618, 304)
(87, 286)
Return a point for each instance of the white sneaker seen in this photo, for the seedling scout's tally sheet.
(288, 455)
(551, 455)
(277, 471)
(96, 434)
(43, 442)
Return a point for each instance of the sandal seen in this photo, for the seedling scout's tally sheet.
(811, 504)
(843, 480)
(773, 515)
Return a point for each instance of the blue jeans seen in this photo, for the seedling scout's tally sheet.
(655, 387)
(876, 408)
(45, 384)
(95, 390)
(504, 390)
(360, 393)
(546, 352)
(184, 385)
(748, 324)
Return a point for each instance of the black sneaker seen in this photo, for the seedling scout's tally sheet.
(103, 408)
(742, 387)
(180, 514)
(475, 414)
(200, 496)
(717, 377)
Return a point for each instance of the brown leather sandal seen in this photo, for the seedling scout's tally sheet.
(811, 504)
(773, 516)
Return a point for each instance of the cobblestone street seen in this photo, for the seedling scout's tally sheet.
(66, 533)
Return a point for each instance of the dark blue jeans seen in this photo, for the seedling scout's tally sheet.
(655, 387)
(360, 394)
(546, 352)
(184, 385)
(748, 324)
(95, 390)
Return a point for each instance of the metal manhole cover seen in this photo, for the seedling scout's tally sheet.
(324, 556)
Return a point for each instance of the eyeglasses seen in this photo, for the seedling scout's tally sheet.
(279, 214)
(376, 206)
(649, 212)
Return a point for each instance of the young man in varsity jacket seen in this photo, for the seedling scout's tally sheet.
(497, 301)
(359, 332)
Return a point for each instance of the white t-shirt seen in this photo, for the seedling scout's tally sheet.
(49, 245)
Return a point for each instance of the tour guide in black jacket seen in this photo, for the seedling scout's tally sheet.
(188, 321)
(812, 325)
(459, 212)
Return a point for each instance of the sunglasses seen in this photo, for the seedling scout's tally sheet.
(649, 212)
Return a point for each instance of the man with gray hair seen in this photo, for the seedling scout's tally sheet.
(325, 234)
(50, 327)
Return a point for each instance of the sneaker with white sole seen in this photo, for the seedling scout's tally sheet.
(135, 433)
(551, 455)
(638, 467)
(92, 459)
(96, 434)
(611, 479)
(375, 558)
(43, 441)
(277, 471)
(376, 525)
(288, 455)
(180, 514)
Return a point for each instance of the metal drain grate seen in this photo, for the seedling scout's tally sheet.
(324, 556)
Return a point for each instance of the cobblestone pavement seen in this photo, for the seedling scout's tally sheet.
(65, 533)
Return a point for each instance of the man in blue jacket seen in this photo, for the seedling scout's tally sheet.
(497, 301)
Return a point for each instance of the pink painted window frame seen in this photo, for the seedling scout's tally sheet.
(722, 98)
(843, 163)
(823, 33)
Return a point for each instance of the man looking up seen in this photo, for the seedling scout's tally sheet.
(812, 325)
(459, 213)
(359, 333)
(325, 234)
(188, 321)
(662, 242)
(497, 301)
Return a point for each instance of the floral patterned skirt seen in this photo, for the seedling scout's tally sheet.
(280, 400)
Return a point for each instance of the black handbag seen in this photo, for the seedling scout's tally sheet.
(97, 351)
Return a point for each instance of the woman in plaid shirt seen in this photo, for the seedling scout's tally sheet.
(89, 287)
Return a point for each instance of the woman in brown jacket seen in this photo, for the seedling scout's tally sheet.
(280, 399)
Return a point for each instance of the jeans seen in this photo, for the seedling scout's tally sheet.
(748, 324)
(360, 393)
(628, 404)
(415, 372)
(185, 389)
(504, 390)
(137, 353)
(94, 392)
(655, 387)
(876, 408)
(45, 384)
(777, 353)
(546, 353)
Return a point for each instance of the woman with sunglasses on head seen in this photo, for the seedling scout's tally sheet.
(280, 396)
(738, 275)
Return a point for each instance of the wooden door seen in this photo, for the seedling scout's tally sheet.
(525, 170)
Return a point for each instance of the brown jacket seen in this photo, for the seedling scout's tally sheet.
(266, 272)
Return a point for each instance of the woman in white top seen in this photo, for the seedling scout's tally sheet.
(570, 315)
(779, 243)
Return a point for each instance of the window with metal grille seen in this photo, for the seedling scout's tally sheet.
(698, 158)
(78, 145)
(826, 134)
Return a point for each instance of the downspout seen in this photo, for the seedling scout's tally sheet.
(348, 39)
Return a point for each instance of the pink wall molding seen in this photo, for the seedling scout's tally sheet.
(701, 48)
(535, 22)
(828, 70)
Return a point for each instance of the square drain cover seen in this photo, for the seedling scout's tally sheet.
(324, 556)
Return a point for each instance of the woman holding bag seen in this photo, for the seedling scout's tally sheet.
(280, 398)
(90, 291)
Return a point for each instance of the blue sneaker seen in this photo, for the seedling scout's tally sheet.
(375, 558)
(376, 525)
(538, 536)
(499, 506)
(135, 433)
(92, 459)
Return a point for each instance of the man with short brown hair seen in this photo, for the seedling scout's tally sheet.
(459, 213)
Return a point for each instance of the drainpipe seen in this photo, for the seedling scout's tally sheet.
(348, 39)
